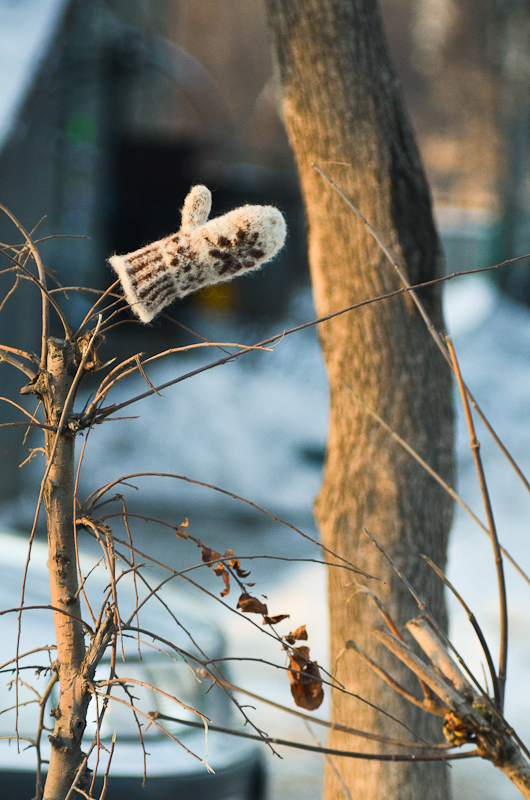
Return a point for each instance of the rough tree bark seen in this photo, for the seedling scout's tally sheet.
(343, 110)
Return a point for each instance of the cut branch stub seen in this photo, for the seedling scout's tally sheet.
(433, 647)
(467, 719)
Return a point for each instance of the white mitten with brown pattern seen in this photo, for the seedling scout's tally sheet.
(200, 254)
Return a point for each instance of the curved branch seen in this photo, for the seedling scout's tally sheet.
(501, 583)
(93, 498)
(42, 277)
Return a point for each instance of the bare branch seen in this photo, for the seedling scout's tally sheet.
(441, 687)
(47, 648)
(20, 408)
(475, 449)
(432, 707)
(42, 277)
(450, 491)
(92, 312)
(107, 384)
(26, 273)
(40, 425)
(105, 412)
(394, 757)
(8, 354)
(136, 682)
(336, 726)
(160, 728)
(20, 609)
(474, 623)
(425, 610)
(95, 496)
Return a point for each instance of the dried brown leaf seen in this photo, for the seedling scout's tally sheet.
(235, 564)
(275, 620)
(226, 581)
(299, 634)
(209, 555)
(304, 675)
(251, 605)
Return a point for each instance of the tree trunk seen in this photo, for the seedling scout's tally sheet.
(53, 386)
(343, 110)
(70, 713)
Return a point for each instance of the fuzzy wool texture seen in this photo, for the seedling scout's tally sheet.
(202, 253)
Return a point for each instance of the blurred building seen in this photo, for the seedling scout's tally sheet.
(110, 110)
(110, 121)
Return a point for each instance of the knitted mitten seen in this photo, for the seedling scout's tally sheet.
(200, 254)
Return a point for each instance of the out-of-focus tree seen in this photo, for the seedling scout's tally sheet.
(343, 111)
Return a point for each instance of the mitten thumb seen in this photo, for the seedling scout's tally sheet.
(196, 209)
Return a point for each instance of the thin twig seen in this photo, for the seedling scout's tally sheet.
(20, 609)
(44, 291)
(40, 425)
(107, 411)
(434, 708)
(163, 730)
(93, 498)
(6, 355)
(46, 648)
(329, 762)
(107, 384)
(335, 726)
(475, 449)
(450, 491)
(394, 757)
(92, 311)
(10, 292)
(335, 685)
(42, 277)
(421, 605)
(436, 336)
(474, 623)
(20, 408)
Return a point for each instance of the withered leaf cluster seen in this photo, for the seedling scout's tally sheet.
(212, 558)
(304, 674)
